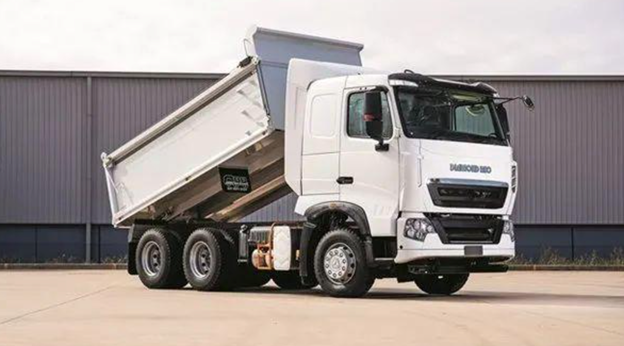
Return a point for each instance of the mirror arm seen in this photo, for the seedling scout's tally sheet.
(381, 146)
(528, 103)
(507, 99)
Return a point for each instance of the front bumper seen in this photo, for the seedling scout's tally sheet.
(432, 247)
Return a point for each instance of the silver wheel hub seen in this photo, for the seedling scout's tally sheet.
(200, 258)
(151, 258)
(339, 263)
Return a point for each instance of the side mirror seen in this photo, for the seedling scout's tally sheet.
(373, 118)
(528, 103)
(504, 120)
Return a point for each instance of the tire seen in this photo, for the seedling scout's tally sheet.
(343, 251)
(159, 260)
(441, 284)
(289, 280)
(207, 260)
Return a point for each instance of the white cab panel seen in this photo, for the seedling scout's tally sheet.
(320, 173)
(321, 137)
(375, 174)
(301, 75)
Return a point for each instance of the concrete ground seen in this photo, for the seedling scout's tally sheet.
(112, 308)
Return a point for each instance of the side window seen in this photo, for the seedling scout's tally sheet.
(356, 127)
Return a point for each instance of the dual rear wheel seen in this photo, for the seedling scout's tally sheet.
(159, 260)
(206, 260)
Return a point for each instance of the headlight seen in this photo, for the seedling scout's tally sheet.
(508, 228)
(418, 229)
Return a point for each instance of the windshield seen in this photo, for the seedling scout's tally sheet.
(448, 115)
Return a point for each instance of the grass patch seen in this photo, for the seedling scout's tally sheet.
(116, 259)
(66, 259)
(549, 256)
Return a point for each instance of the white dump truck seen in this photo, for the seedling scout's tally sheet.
(398, 175)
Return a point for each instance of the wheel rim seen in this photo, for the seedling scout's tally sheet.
(151, 258)
(200, 258)
(339, 263)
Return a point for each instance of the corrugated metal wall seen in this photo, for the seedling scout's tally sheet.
(53, 129)
(42, 156)
(570, 150)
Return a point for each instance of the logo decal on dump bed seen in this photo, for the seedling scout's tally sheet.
(460, 167)
(235, 180)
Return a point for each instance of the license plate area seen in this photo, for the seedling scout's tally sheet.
(473, 250)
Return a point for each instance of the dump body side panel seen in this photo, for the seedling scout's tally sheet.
(221, 123)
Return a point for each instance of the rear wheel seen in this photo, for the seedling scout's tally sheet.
(206, 260)
(159, 260)
(441, 284)
(289, 280)
(340, 264)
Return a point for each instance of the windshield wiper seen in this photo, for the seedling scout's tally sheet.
(469, 137)
(484, 139)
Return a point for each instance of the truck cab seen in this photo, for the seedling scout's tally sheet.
(438, 178)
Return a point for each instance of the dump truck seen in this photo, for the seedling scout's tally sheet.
(397, 175)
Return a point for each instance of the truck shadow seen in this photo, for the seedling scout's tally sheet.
(516, 298)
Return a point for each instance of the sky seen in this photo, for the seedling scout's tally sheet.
(559, 37)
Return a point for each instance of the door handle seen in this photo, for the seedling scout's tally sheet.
(344, 180)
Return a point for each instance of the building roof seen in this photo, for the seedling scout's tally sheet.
(199, 75)
(111, 74)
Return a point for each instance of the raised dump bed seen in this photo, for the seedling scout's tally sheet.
(221, 155)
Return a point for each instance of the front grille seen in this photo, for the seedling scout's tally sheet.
(467, 229)
(463, 194)
(471, 235)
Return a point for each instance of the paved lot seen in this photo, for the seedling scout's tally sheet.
(112, 308)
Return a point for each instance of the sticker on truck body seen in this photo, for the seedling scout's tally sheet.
(235, 180)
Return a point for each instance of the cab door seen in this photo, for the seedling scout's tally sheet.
(368, 177)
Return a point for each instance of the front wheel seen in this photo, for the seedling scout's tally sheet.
(340, 264)
(441, 284)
